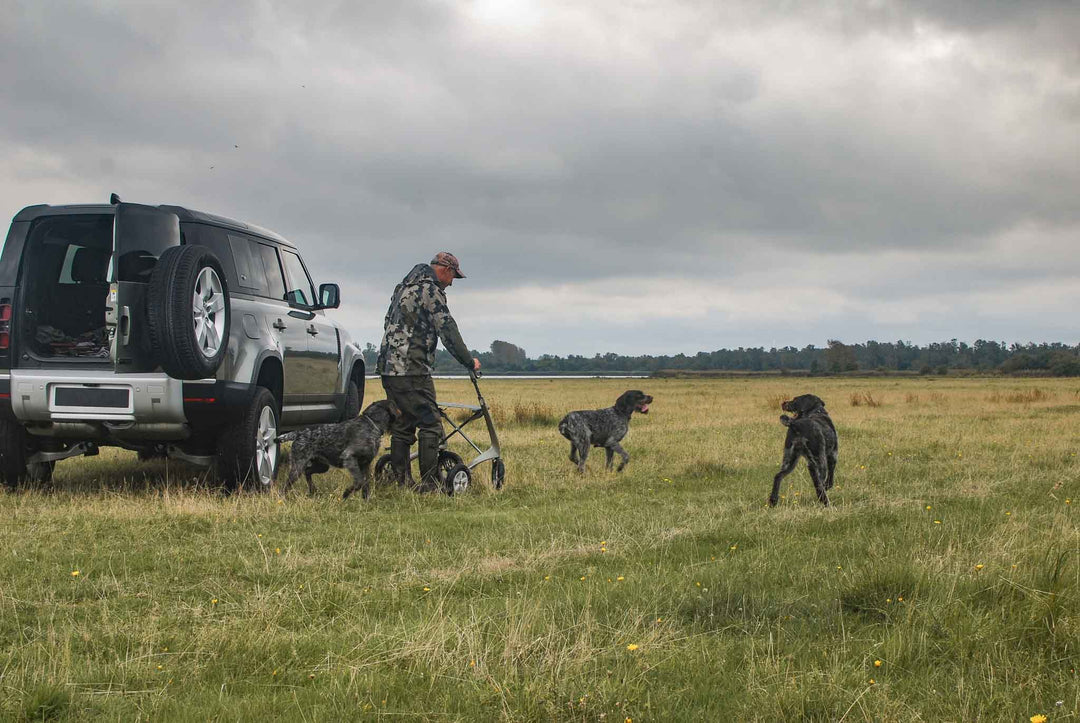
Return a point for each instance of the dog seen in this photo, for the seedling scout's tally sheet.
(352, 444)
(810, 434)
(603, 428)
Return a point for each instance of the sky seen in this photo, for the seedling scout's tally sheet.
(615, 176)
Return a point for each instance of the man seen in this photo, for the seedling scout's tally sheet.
(417, 318)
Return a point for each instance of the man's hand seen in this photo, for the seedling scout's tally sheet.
(475, 364)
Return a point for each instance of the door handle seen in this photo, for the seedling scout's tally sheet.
(312, 330)
(279, 325)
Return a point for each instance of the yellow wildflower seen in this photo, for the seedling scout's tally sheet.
(1038, 718)
(877, 663)
(74, 573)
(632, 647)
(214, 601)
(620, 578)
(979, 566)
(427, 589)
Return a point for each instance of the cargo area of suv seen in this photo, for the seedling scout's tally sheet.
(66, 265)
(165, 331)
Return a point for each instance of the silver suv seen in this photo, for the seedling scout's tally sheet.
(162, 330)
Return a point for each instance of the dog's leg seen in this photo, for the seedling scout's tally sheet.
(573, 453)
(299, 464)
(791, 458)
(610, 456)
(361, 475)
(622, 453)
(819, 474)
(583, 455)
(832, 470)
(310, 482)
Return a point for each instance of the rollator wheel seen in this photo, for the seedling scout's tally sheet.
(498, 473)
(458, 480)
(384, 473)
(447, 461)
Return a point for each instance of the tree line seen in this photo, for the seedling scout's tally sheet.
(1053, 359)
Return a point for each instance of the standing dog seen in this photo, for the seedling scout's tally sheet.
(810, 434)
(603, 428)
(351, 444)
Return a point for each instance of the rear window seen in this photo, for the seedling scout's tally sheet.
(71, 249)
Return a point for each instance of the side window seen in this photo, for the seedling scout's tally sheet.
(249, 269)
(215, 239)
(298, 290)
(275, 282)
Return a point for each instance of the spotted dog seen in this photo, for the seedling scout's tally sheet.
(352, 444)
(603, 428)
(810, 434)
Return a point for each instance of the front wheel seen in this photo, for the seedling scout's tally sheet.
(249, 447)
(458, 479)
(352, 401)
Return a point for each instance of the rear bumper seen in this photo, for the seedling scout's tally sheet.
(69, 402)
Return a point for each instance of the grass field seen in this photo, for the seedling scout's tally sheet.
(941, 586)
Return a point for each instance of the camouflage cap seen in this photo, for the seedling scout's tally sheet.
(447, 259)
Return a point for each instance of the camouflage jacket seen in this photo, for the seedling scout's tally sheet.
(417, 318)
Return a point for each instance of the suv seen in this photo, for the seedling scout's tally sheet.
(166, 331)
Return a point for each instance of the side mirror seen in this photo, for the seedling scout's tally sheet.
(329, 296)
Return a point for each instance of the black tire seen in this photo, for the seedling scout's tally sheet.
(447, 461)
(352, 401)
(384, 473)
(147, 454)
(457, 481)
(12, 453)
(248, 453)
(40, 472)
(498, 473)
(170, 313)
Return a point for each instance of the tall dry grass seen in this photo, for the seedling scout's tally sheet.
(668, 592)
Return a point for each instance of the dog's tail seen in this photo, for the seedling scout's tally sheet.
(287, 437)
(786, 420)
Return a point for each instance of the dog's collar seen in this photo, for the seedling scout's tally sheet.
(368, 420)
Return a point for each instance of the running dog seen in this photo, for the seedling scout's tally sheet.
(603, 428)
(810, 434)
(352, 444)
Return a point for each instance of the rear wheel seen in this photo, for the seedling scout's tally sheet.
(12, 453)
(40, 472)
(249, 447)
(187, 312)
(384, 473)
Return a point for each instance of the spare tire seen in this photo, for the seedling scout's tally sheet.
(187, 312)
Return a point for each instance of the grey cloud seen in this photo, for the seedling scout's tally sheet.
(602, 142)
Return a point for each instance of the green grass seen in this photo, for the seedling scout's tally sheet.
(189, 605)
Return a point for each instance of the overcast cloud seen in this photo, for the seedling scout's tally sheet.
(637, 177)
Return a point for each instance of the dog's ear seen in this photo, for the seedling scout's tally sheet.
(627, 401)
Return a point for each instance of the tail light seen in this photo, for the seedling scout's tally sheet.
(5, 324)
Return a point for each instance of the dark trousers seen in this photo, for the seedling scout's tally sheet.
(415, 397)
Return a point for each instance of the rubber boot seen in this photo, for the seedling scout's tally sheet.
(399, 462)
(429, 463)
